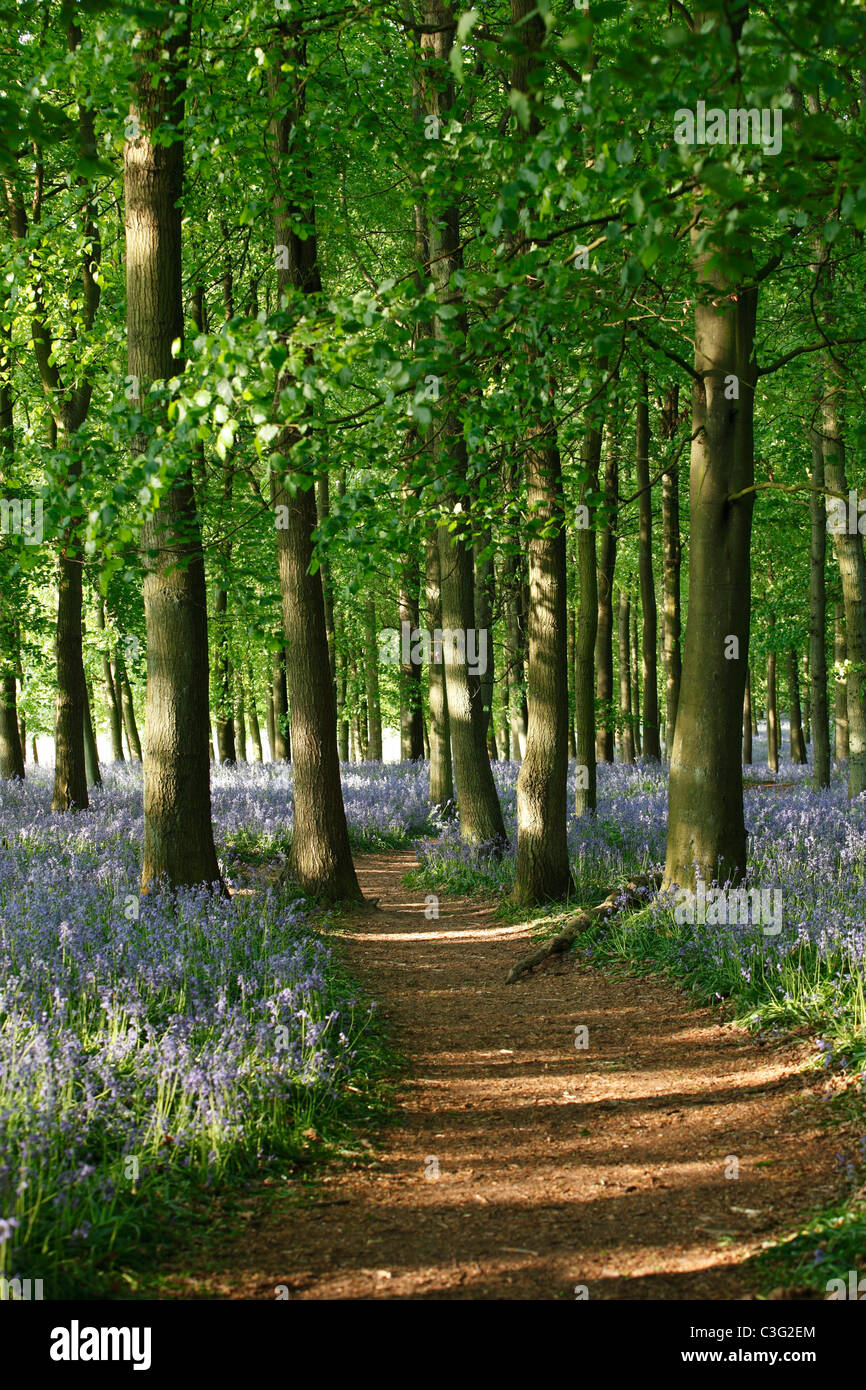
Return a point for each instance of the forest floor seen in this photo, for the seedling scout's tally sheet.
(520, 1165)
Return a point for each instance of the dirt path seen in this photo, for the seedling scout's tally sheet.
(557, 1166)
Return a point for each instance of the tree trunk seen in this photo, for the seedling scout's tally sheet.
(11, 744)
(240, 722)
(484, 599)
(224, 720)
(772, 716)
(625, 678)
(572, 639)
(587, 631)
(840, 659)
(178, 833)
(269, 720)
(91, 753)
(807, 700)
(323, 512)
(113, 704)
(543, 873)
(411, 712)
(371, 668)
(127, 708)
(706, 826)
(70, 767)
(604, 738)
(320, 859)
(69, 405)
(672, 559)
(515, 643)
(797, 742)
(281, 709)
(255, 731)
(635, 687)
(651, 744)
(747, 720)
(848, 546)
(342, 721)
(441, 779)
(11, 753)
(478, 804)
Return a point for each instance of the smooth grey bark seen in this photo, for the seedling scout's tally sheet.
(797, 742)
(840, 660)
(671, 552)
(178, 832)
(320, 858)
(478, 804)
(441, 777)
(706, 825)
(818, 617)
(651, 745)
(371, 677)
(587, 632)
(624, 652)
(604, 737)
(772, 716)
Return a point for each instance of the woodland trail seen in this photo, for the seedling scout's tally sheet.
(557, 1167)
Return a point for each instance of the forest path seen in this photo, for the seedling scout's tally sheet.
(557, 1167)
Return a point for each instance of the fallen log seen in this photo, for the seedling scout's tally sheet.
(633, 893)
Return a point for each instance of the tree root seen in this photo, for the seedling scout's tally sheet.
(633, 893)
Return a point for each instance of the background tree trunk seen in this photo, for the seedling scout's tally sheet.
(411, 712)
(484, 599)
(651, 744)
(797, 742)
(255, 731)
(515, 646)
(587, 630)
(604, 738)
(772, 716)
(112, 702)
(572, 639)
(635, 686)
(281, 708)
(625, 678)
(127, 709)
(371, 667)
(91, 753)
(672, 558)
(240, 721)
(840, 659)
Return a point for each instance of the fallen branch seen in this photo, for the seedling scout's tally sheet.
(633, 893)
